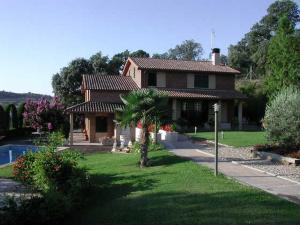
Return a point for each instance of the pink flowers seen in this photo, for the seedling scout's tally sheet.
(50, 127)
(42, 113)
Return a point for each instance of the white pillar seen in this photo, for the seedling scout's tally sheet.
(71, 129)
(174, 109)
(240, 115)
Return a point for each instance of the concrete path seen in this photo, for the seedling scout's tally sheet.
(250, 176)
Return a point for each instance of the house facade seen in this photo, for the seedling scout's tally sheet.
(191, 86)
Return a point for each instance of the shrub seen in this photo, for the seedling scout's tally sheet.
(282, 115)
(54, 171)
(255, 105)
(59, 180)
(155, 147)
(23, 168)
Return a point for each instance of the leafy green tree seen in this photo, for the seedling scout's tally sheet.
(99, 63)
(160, 56)
(66, 84)
(255, 104)
(3, 118)
(251, 51)
(117, 62)
(21, 109)
(283, 58)
(11, 112)
(144, 106)
(187, 50)
(140, 53)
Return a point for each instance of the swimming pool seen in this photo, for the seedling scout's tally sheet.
(9, 153)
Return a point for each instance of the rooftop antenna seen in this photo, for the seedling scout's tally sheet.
(212, 38)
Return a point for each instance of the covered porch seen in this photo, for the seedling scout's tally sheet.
(196, 107)
(99, 126)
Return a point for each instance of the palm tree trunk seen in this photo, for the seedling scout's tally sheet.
(144, 146)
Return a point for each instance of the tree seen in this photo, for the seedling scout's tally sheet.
(283, 58)
(140, 53)
(11, 112)
(117, 62)
(21, 110)
(99, 63)
(160, 56)
(251, 51)
(142, 106)
(46, 115)
(66, 84)
(3, 119)
(187, 50)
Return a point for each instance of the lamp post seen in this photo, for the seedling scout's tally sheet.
(216, 109)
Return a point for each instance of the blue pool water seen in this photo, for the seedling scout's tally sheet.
(16, 151)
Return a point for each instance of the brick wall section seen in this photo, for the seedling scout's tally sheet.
(176, 80)
(225, 81)
(107, 96)
(179, 80)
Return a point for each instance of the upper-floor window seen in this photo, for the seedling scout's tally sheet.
(134, 72)
(201, 81)
(152, 79)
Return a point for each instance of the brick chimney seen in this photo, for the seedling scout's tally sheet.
(215, 56)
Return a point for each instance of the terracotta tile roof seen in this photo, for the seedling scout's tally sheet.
(202, 94)
(181, 65)
(108, 82)
(94, 107)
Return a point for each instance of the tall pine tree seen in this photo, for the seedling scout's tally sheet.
(283, 58)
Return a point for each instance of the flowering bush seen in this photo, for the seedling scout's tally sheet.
(46, 115)
(49, 170)
(166, 127)
(23, 168)
(54, 171)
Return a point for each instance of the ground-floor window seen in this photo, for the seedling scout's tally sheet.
(101, 124)
(195, 112)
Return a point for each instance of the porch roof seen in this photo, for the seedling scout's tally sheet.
(93, 107)
(202, 94)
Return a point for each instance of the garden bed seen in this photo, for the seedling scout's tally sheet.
(284, 154)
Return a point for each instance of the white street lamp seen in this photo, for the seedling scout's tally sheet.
(216, 109)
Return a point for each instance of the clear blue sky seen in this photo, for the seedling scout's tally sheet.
(37, 37)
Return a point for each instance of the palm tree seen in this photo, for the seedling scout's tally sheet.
(146, 106)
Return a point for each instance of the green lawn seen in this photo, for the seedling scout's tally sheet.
(234, 138)
(6, 172)
(173, 191)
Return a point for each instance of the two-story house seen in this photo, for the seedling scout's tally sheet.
(192, 87)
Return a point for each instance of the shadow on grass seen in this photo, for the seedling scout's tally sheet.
(186, 208)
(165, 160)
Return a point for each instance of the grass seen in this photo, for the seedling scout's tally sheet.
(234, 138)
(6, 172)
(173, 191)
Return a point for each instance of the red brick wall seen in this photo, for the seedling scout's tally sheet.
(107, 96)
(225, 81)
(176, 80)
(179, 80)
